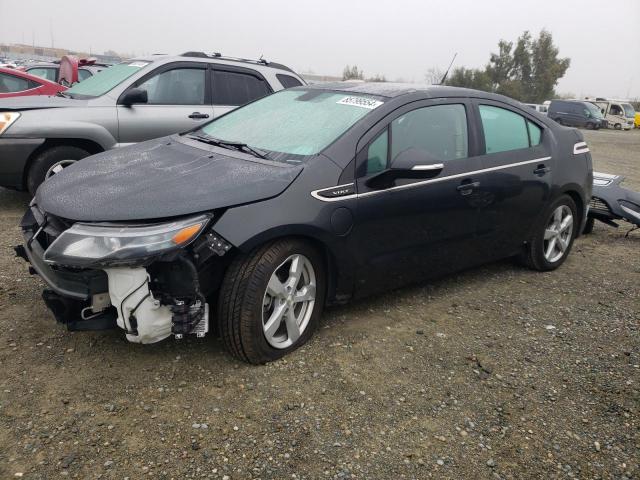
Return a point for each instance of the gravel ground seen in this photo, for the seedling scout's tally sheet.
(498, 372)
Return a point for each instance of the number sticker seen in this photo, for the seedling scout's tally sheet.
(360, 102)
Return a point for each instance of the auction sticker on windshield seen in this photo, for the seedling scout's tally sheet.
(360, 102)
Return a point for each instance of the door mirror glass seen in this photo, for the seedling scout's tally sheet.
(133, 96)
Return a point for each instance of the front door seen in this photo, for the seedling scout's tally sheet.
(416, 228)
(179, 99)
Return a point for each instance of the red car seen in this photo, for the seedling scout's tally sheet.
(14, 83)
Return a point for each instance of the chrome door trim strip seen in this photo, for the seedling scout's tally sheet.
(424, 182)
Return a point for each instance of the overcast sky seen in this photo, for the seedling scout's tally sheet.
(396, 38)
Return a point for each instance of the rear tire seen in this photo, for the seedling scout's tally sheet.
(590, 126)
(46, 160)
(617, 126)
(250, 325)
(552, 239)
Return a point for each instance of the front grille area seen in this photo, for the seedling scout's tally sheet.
(598, 204)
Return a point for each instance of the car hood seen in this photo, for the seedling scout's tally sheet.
(161, 178)
(39, 101)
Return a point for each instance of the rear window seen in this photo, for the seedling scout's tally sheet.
(288, 81)
(504, 130)
(48, 73)
(237, 88)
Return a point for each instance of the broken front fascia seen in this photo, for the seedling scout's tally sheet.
(154, 290)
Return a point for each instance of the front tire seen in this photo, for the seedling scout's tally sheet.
(50, 161)
(271, 300)
(551, 242)
(588, 227)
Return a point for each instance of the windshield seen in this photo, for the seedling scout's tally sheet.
(299, 122)
(594, 110)
(629, 112)
(105, 80)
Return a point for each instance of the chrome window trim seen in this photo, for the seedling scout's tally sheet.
(314, 194)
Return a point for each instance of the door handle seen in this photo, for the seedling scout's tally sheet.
(466, 187)
(199, 115)
(541, 170)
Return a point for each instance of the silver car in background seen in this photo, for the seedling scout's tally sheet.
(133, 101)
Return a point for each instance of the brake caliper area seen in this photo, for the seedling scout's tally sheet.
(159, 300)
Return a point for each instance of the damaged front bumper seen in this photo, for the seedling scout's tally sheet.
(149, 301)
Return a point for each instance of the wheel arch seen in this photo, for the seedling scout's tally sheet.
(577, 197)
(338, 267)
(90, 146)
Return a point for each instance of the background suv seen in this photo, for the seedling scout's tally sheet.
(130, 102)
(574, 113)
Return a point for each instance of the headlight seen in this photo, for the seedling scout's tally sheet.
(103, 244)
(6, 119)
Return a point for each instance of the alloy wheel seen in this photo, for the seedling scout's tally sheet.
(58, 167)
(557, 235)
(288, 301)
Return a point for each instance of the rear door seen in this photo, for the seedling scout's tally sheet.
(235, 86)
(179, 99)
(515, 180)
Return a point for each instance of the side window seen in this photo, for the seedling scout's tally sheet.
(83, 74)
(180, 86)
(535, 133)
(288, 81)
(440, 130)
(236, 88)
(10, 84)
(504, 130)
(377, 153)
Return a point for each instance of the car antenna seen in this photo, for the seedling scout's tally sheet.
(444, 77)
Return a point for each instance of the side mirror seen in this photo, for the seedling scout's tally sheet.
(134, 95)
(410, 163)
(418, 162)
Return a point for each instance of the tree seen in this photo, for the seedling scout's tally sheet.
(377, 78)
(529, 72)
(352, 73)
(434, 76)
(469, 78)
(547, 67)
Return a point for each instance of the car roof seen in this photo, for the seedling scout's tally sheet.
(214, 58)
(392, 90)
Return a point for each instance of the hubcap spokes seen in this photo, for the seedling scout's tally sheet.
(288, 301)
(557, 235)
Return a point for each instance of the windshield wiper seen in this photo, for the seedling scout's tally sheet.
(243, 147)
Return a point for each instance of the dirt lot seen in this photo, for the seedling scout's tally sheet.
(497, 372)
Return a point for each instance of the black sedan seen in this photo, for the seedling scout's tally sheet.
(315, 195)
